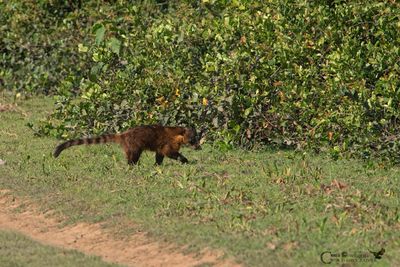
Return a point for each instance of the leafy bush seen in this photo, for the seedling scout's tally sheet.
(38, 45)
(307, 74)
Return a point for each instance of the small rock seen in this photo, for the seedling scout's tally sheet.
(2, 162)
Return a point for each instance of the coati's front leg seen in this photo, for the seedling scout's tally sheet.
(178, 156)
(171, 152)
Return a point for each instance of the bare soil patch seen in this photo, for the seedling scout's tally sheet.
(136, 250)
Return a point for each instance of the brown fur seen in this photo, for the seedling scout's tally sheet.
(165, 141)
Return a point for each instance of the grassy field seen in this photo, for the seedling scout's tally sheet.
(271, 207)
(18, 250)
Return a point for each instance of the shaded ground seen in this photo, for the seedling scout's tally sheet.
(135, 250)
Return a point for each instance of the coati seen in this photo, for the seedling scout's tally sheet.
(165, 141)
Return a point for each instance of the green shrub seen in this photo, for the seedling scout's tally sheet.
(306, 74)
(38, 45)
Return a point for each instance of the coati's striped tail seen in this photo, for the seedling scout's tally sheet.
(86, 141)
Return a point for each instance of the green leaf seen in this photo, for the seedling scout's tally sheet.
(82, 48)
(115, 45)
(100, 30)
(247, 111)
(95, 70)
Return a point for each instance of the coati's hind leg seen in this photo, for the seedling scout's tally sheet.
(133, 156)
(159, 158)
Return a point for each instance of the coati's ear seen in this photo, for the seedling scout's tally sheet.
(187, 134)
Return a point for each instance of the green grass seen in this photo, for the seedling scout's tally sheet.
(18, 250)
(271, 207)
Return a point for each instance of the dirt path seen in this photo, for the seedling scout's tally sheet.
(136, 250)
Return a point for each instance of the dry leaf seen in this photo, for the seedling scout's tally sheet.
(290, 245)
(271, 246)
(338, 184)
(243, 39)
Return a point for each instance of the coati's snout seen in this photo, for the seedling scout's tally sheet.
(196, 147)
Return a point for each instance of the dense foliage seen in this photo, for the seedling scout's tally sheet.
(316, 74)
(38, 45)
